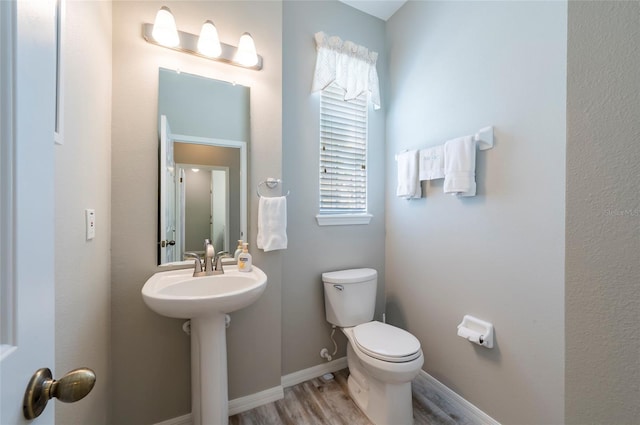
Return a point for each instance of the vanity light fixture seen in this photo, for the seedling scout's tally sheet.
(164, 33)
(209, 42)
(246, 54)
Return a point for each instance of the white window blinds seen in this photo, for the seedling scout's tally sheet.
(343, 153)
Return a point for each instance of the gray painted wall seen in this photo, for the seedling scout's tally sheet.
(150, 352)
(603, 214)
(83, 180)
(456, 67)
(313, 250)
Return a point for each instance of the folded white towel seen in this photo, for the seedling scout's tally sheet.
(408, 183)
(272, 223)
(431, 164)
(460, 166)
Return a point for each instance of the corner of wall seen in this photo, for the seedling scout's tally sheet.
(83, 164)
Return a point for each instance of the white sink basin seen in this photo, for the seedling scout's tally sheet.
(178, 294)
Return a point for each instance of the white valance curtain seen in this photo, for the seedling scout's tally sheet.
(348, 65)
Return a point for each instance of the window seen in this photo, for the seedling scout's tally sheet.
(343, 159)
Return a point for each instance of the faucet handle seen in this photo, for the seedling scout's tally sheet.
(197, 266)
(217, 262)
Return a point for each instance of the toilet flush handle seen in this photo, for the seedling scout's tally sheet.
(339, 287)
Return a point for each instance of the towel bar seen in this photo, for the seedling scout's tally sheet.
(483, 139)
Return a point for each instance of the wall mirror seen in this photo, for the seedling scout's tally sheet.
(203, 132)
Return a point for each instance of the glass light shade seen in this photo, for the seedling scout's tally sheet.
(246, 54)
(164, 28)
(208, 42)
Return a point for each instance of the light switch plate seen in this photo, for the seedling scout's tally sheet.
(91, 223)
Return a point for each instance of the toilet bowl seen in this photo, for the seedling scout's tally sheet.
(382, 388)
(382, 359)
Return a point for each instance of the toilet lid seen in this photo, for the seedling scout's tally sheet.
(349, 276)
(386, 342)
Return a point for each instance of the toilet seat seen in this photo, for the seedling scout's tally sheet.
(385, 342)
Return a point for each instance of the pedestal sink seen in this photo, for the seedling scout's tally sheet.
(205, 300)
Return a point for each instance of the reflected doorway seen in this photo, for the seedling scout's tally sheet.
(202, 207)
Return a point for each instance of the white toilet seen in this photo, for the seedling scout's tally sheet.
(382, 359)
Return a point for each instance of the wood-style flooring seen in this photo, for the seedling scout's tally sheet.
(320, 402)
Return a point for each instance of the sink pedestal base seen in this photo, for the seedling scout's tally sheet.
(209, 394)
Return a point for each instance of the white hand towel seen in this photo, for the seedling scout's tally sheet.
(431, 165)
(408, 183)
(272, 223)
(460, 166)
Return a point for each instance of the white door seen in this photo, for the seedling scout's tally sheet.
(220, 208)
(27, 201)
(167, 195)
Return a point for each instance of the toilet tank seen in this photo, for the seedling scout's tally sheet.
(350, 296)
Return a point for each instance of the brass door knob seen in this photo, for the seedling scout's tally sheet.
(72, 387)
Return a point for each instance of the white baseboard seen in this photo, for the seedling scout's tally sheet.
(313, 372)
(242, 404)
(476, 415)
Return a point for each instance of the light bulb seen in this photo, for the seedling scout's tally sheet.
(246, 54)
(208, 42)
(164, 28)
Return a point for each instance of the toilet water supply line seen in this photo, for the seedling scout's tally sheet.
(324, 353)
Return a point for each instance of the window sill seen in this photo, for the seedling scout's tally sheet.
(343, 219)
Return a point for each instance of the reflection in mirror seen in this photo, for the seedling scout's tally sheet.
(203, 169)
(204, 129)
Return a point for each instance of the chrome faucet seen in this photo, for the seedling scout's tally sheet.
(209, 257)
(212, 261)
(217, 262)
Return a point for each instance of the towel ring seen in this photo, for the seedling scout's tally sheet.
(271, 183)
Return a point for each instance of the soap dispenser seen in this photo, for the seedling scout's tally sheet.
(244, 259)
(238, 250)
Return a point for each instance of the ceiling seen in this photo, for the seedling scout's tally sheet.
(382, 9)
